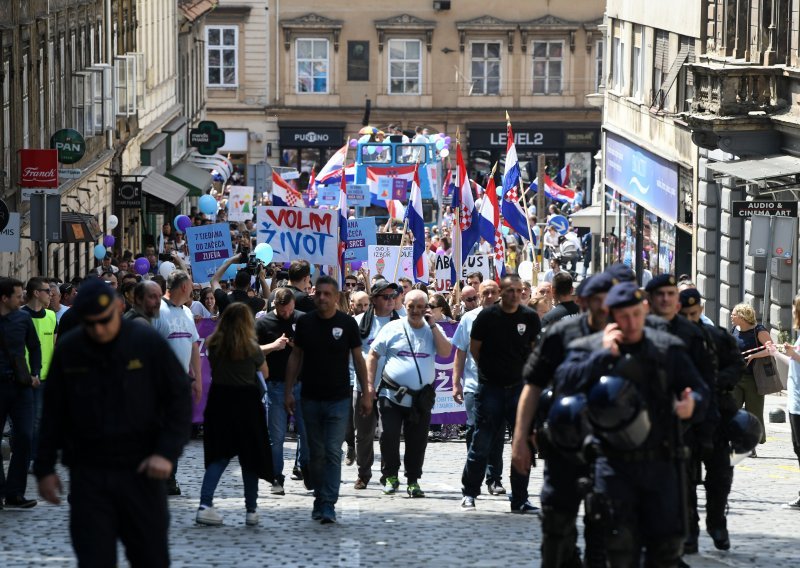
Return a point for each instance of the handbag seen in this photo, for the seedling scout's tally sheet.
(22, 375)
(765, 373)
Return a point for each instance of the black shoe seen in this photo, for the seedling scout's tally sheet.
(721, 539)
(173, 488)
(350, 458)
(20, 502)
(682, 564)
(297, 474)
(307, 478)
(690, 546)
(496, 488)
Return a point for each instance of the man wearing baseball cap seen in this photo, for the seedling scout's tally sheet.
(118, 409)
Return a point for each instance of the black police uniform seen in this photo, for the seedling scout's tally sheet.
(107, 408)
(642, 487)
(560, 496)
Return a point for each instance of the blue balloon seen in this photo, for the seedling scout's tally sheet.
(99, 252)
(264, 253)
(504, 230)
(311, 268)
(208, 205)
(439, 144)
(499, 191)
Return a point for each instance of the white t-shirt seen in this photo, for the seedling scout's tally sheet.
(377, 323)
(392, 345)
(61, 312)
(461, 340)
(198, 309)
(176, 325)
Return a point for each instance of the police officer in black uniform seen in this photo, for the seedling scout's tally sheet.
(118, 407)
(640, 482)
(728, 364)
(665, 304)
(560, 496)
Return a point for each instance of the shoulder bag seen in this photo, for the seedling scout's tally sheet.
(765, 373)
(22, 375)
(422, 401)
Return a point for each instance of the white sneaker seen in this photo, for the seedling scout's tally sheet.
(468, 503)
(277, 489)
(208, 516)
(251, 519)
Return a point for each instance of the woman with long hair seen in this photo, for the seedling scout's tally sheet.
(793, 389)
(205, 306)
(440, 308)
(235, 420)
(749, 335)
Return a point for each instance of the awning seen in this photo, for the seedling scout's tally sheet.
(153, 183)
(590, 217)
(217, 162)
(79, 228)
(197, 180)
(755, 170)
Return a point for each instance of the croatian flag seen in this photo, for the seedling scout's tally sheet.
(342, 229)
(311, 193)
(416, 224)
(555, 191)
(512, 210)
(332, 171)
(284, 194)
(489, 222)
(468, 216)
(563, 176)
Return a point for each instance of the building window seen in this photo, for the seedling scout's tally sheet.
(312, 65)
(26, 115)
(617, 61)
(358, 61)
(405, 66)
(547, 67)
(599, 52)
(660, 69)
(637, 64)
(222, 44)
(485, 68)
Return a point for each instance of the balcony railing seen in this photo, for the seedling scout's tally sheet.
(735, 90)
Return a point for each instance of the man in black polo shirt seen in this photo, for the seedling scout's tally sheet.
(275, 333)
(330, 338)
(502, 337)
(241, 284)
(565, 304)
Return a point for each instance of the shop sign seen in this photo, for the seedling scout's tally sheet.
(207, 138)
(69, 144)
(71, 173)
(772, 208)
(10, 235)
(643, 177)
(523, 138)
(38, 168)
(127, 194)
(311, 137)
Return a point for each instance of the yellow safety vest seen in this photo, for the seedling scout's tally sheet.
(45, 330)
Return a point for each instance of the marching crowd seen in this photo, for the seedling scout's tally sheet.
(103, 371)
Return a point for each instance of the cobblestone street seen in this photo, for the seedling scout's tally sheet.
(375, 529)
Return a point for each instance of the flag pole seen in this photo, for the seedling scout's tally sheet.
(457, 227)
(405, 229)
(534, 273)
(340, 266)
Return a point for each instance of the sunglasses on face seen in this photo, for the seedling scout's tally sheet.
(350, 284)
(387, 296)
(434, 306)
(101, 321)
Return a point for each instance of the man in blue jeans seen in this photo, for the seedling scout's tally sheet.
(501, 339)
(275, 333)
(16, 402)
(330, 337)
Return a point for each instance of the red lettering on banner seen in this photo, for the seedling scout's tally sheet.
(294, 219)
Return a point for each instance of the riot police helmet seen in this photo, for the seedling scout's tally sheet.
(618, 413)
(566, 426)
(744, 433)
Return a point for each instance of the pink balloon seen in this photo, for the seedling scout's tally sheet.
(353, 143)
(440, 252)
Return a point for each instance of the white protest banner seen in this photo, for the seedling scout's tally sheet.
(475, 263)
(240, 203)
(383, 259)
(209, 248)
(300, 233)
(361, 233)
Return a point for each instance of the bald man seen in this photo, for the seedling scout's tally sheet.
(359, 303)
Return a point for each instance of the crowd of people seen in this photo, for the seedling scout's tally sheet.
(104, 371)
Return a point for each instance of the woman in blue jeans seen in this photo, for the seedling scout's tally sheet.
(235, 421)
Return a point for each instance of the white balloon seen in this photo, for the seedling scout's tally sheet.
(444, 152)
(166, 269)
(113, 222)
(525, 270)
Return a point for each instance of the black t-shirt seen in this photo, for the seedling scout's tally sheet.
(561, 311)
(302, 301)
(326, 345)
(506, 343)
(256, 304)
(268, 329)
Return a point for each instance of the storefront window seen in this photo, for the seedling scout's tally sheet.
(666, 248)
(303, 159)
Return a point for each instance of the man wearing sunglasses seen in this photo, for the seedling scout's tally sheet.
(118, 409)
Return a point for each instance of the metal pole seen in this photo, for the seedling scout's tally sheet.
(768, 275)
(44, 236)
(541, 214)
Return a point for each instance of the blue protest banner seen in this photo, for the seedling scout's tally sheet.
(360, 234)
(209, 247)
(358, 195)
(561, 224)
(328, 195)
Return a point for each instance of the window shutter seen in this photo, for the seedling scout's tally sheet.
(661, 53)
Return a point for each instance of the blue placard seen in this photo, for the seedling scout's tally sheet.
(358, 195)
(361, 233)
(561, 224)
(209, 248)
(643, 177)
(328, 195)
